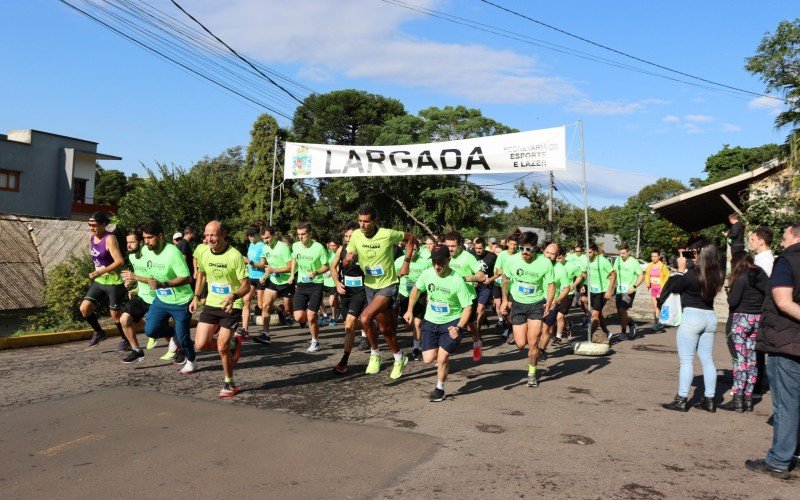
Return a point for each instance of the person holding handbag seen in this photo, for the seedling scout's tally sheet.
(697, 287)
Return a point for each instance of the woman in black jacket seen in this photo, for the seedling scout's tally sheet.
(746, 287)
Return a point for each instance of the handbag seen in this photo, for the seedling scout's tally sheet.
(671, 311)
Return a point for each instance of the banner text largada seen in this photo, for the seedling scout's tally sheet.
(536, 150)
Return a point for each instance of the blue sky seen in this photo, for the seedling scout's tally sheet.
(65, 74)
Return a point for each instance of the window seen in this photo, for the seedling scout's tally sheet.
(79, 190)
(9, 180)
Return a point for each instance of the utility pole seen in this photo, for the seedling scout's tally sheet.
(550, 208)
(638, 232)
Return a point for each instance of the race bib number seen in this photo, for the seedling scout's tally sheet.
(526, 288)
(375, 271)
(306, 279)
(622, 288)
(353, 281)
(221, 288)
(440, 307)
(594, 289)
(276, 275)
(165, 292)
(655, 280)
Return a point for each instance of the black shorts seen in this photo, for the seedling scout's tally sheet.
(257, 284)
(308, 297)
(623, 305)
(419, 308)
(353, 301)
(521, 313)
(473, 313)
(285, 290)
(598, 301)
(114, 294)
(331, 290)
(437, 336)
(564, 305)
(217, 316)
(497, 292)
(485, 294)
(136, 308)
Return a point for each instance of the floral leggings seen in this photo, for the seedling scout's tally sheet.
(743, 334)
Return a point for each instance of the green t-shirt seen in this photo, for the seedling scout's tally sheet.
(166, 266)
(599, 270)
(447, 296)
(375, 256)
(278, 255)
(560, 277)
(424, 252)
(200, 250)
(466, 265)
(309, 259)
(415, 268)
(223, 272)
(572, 271)
(328, 277)
(498, 264)
(628, 271)
(528, 281)
(140, 269)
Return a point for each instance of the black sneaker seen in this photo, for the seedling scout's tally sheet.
(134, 356)
(760, 465)
(123, 346)
(437, 395)
(363, 345)
(97, 338)
(302, 325)
(416, 355)
(262, 338)
(288, 320)
(243, 333)
(556, 341)
(543, 356)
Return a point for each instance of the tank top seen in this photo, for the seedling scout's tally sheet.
(655, 276)
(353, 276)
(101, 257)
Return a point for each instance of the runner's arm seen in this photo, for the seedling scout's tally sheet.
(335, 265)
(292, 265)
(551, 291)
(462, 322)
(612, 283)
(178, 281)
(348, 259)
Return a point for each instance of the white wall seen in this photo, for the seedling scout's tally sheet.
(84, 168)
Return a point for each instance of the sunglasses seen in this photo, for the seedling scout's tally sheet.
(527, 249)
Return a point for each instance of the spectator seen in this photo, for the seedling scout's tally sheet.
(735, 234)
(655, 276)
(760, 242)
(184, 245)
(780, 338)
(697, 288)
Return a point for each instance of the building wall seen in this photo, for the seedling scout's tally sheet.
(84, 168)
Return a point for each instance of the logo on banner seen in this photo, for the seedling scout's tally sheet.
(301, 162)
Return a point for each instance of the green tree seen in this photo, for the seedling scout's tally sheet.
(777, 63)
(729, 162)
(110, 187)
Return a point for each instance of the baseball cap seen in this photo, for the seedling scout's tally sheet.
(440, 254)
(492, 240)
(100, 218)
(177, 236)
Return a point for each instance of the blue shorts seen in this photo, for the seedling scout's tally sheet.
(484, 294)
(436, 336)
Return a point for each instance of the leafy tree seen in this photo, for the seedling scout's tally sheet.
(777, 63)
(440, 124)
(729, 162)
(133, 181)
(65, 287)
(768, 209)
(110, 187)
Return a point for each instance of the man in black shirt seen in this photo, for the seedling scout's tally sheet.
(735, 234)
(185, 247)
(484, 290)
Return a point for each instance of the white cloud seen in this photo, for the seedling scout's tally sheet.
(691, 128)
(730, 127)
(363, 39)
(671, 119)
(608, 108)
(769, 104)
(698, 118)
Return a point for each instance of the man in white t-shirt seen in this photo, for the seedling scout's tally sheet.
(759, 242)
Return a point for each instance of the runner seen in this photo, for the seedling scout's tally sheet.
(503, 323)
(222, 269)
(255, 271)
(656, 275)
(374, 247)
(310, 263)
(601, 280)
(416, 266)
(140, 298)
(629, 277)
(550, 253)
(106, 280)
(568, 278)
(446, 315)
(529, 282)
(353, 297)
(484, 289)
(425, 251)
(277, 262)
(465, 264)
(202, 248)
(330, 289)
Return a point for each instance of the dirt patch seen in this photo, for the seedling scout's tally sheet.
(577, 439)
(515, 413)
(490, 428)
(403, 424)
(673, 468)
(634, 490)
(654, 348)
(580, 390)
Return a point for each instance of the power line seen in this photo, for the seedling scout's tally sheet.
(630, 56)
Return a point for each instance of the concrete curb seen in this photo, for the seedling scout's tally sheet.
(37, 340)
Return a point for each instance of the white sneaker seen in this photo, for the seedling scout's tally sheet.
(189, 367)
(314, 347)
(173, 346)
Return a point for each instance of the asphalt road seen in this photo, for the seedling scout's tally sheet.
(593, 429)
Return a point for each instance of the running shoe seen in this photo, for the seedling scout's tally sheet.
(189, 367)
(374, 365)
(180, 358)
(262, 338)
(173, 346)
(477, 354)
(97, 338)
(533, 379)
(241, 332)
(134, 356)
(323, 320)
(585, 321)
(500, 324)
(151, 343)
(557, 341)
(622, 336)
(397, 369)
(123, 346)
(363, 345)
(228, 390)
(332, 322)
(437, 395)
(314, 347)
(302, 325)
(340, 369)
(510, 339)
(236, 352)
(416, 355)
(169, 355)
(632, 330)
(287, 320)
(543, 356)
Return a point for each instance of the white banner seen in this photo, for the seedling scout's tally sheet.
(521, 152)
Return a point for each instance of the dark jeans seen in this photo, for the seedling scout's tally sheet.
(159, 313)
(784, 386)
